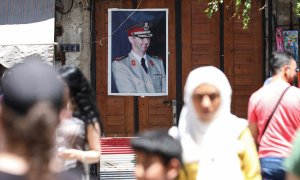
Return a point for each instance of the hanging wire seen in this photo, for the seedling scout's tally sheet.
(100, 42)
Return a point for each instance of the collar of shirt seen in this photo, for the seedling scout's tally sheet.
(139, 58)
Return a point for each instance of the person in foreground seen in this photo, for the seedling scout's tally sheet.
(30, 108)
(158, 156)
(273, 115)
(82, 127)
(216, 144)
(292, 163)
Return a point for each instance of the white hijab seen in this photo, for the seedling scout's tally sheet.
(214, 144)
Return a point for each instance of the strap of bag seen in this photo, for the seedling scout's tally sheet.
(270, 117)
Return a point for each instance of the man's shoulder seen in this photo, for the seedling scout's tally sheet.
(257, 93)
(155, 60)
(294, 92)
(260, 96)
(155, 57)
(273, 90)
(120, 58)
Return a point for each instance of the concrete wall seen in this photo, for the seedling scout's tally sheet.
(75, 30)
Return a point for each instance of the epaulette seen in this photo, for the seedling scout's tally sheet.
(156, 57)
(119, 58)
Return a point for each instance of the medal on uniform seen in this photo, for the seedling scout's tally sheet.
(151, 63)
(133, 62)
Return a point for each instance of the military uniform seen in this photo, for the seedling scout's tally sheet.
(130, 77)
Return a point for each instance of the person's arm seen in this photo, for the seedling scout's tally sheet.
(122, 78)
(291, 176)
(249, 157)
(90, 156)
(292, 163)
(254, 131)
(252, 118)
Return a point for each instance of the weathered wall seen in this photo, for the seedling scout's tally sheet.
(75, 30)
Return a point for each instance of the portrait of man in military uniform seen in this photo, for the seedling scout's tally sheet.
(139, 73)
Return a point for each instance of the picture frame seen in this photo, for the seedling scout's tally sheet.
(126, 31)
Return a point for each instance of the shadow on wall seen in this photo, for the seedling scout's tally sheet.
(2, 69)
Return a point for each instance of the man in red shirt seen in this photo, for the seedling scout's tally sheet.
(274, 139)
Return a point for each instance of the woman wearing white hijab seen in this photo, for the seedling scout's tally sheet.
(213, 139)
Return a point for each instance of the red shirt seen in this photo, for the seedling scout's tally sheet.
(276, 141)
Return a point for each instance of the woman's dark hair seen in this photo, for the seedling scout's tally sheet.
(81, 94)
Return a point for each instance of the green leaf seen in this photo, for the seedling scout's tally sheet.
(297, 9)
(213, 6)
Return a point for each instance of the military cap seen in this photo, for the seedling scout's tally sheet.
(142, 30)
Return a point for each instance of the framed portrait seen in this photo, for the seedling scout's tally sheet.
(138, 52)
